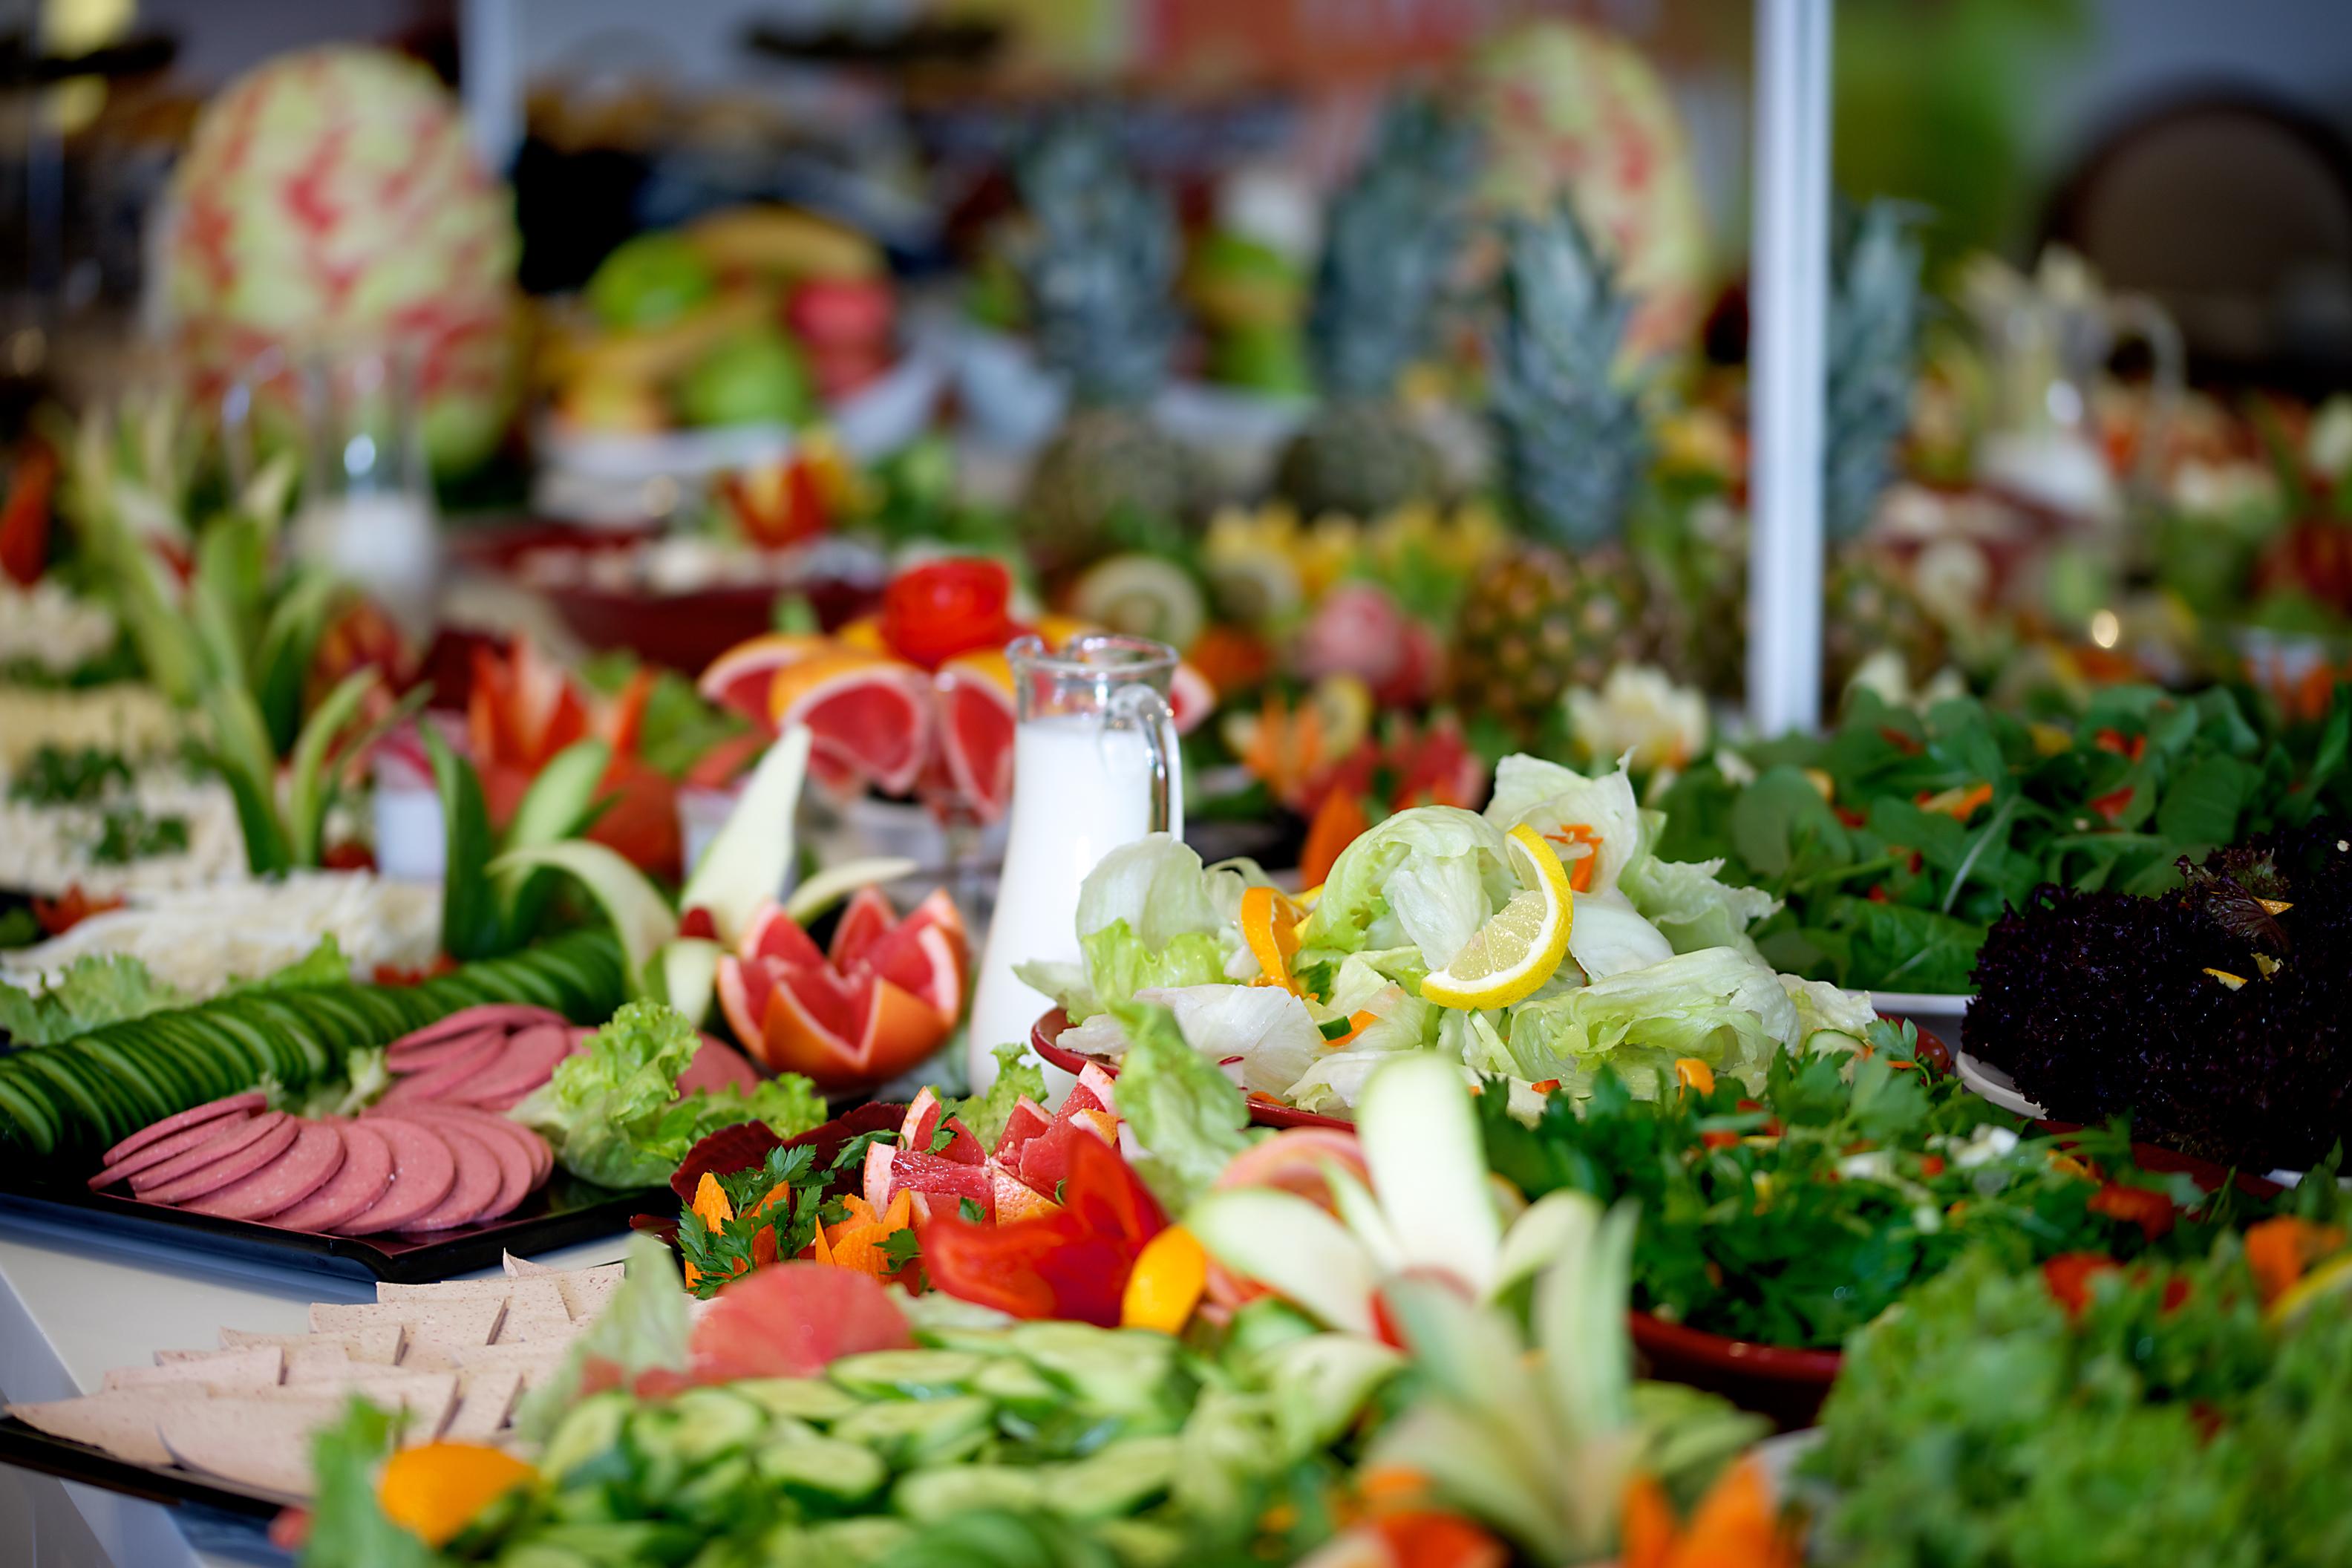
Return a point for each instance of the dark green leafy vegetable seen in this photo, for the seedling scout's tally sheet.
(1983, 1427)
(1898, 839)
(1795, 1218)
(54, 776)
(2215, 1021)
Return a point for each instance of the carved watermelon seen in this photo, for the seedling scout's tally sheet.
(1571, 109)
(331, 196)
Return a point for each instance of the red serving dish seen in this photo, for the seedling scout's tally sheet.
(1262, 1112)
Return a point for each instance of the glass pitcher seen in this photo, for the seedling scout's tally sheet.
(1094, 765)
(2047, 340)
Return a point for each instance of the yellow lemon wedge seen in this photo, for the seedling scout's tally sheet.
(1517, 949)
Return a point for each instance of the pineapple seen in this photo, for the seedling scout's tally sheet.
(1874, 327)
(1394, 234)
(1101, 270)
(1564, 607)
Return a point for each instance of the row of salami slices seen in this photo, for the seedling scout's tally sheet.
(434, 1153)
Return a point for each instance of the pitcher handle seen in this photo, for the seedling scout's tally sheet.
(1149, 713)
(2139, 316)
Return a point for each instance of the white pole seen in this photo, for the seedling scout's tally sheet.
(489, 74)
(1789, 306)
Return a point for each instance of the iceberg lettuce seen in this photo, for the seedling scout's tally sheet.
(1429, 877)
(1685, 900)
(1120, 964)
(1611, 937)
(1550, 799)
(1150, 915)
(1717, 1004)
(1187, 1117)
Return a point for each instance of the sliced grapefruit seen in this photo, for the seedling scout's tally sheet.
(975, 730)
(870, 715)
(866, 922)
(1046, 1159)
(742, 678)
(1016, 1199)
(772, 934)
(793, 1320)
(889, 1171)
(1028, 1119)
(920, 1130)
(841, 1033)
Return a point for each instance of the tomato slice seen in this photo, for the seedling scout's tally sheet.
(933, 612)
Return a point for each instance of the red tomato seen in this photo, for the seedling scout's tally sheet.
(2151, 1211)
(942, 608)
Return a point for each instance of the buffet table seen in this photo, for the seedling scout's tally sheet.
(71, 1310)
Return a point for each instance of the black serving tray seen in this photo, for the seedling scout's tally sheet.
(565, 1211)
(30, 1449)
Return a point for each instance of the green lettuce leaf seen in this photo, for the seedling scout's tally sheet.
(1188, 1116)
(1119, 964)
(349, 1528)
(1428, 877)
(614, 1114)
(323, 965)
(1017, 1076)
(1717, 1004)
(95, 989)
(1692, 906)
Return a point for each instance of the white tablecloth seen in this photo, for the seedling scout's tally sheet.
(71, 1306)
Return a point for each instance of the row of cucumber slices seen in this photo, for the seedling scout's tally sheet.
(87, 1094)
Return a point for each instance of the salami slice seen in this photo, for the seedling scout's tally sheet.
(503, 1016)
(162, 1149)
(438, 1079)
(529, 1059)
(307, 1164)
(422, 1059)
(275, 1137)
(506, 1143)
(365, 1173)
(231, 1138)
(477, 1188)
(423, 1173)
(211, 1110)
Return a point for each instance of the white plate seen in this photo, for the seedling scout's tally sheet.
(1989, 1083)
(1937, 1012)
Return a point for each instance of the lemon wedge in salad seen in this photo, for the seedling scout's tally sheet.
(1517, 949)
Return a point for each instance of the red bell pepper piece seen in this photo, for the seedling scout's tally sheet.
(1071, 1264)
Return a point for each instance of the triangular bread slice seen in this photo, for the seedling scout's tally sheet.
(460, 1322)
(488, 1399)
(379, 1343)
(256, 1366)
(121, 1423)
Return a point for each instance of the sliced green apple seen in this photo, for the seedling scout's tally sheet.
(1291, 1248)
(745, 864)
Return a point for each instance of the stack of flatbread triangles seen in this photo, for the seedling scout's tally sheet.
(453, 1358)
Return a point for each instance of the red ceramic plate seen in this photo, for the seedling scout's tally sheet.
(1048, 1029)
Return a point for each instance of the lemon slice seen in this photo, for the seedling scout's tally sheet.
(1518, 947)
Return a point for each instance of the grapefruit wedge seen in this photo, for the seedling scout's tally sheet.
(797, 1009)
(870, 715)
(742, 678)
(975, 730)
(866, 919)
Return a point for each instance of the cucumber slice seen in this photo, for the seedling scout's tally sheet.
(907, 1375)
(823, 1467)
(1142, 1543)
(30, 1117)
(931, 1495)
(910, 1432)
(1120, 1479)
(1018, 1387)
(796, 1398)
(1115, 1370)
(588, 1430)
(155, 1082)
(849, 1542)
(712, 1421)
(85, 1115)
(715, 1493)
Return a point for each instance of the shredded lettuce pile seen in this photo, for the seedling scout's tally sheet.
(1660, 964)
